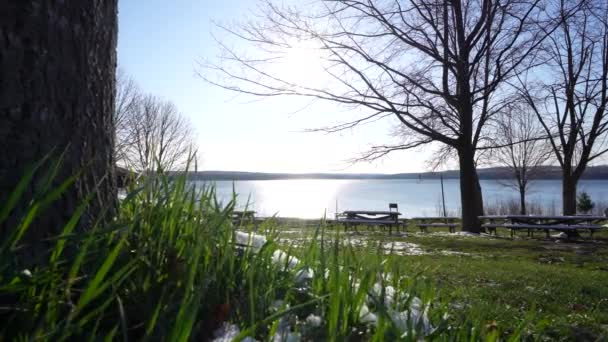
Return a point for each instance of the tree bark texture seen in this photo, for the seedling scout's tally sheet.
(470, 192)
(569, 194)
(57, 78)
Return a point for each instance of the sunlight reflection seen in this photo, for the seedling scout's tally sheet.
(305, 198)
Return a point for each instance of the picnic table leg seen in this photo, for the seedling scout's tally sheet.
(547, 233)
(390, 229)
(512, 236)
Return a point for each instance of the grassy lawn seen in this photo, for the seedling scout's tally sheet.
(549, 289)
(172, 266)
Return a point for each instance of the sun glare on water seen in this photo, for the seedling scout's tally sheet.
(304, 198)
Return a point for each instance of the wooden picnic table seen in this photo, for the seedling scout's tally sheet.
(436, 218)
(373, 213)
(369, 217)
(544, 222)
(242, 216)
(436, 221)
(243, 212)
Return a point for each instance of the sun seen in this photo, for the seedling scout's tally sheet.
(302, 64)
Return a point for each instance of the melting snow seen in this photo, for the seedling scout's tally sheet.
(314, 320)
(281, 258)
(255, 241)
(414, 316)
(228, 332)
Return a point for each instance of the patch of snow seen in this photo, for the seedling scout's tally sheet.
(402, 248)
(281, 258)
(389, 294)
(469, 234)
(460, 234)
(284, 334)
(255, 241)
(304, 275)
(561, 235)
(414, 317)
(277, 304)
(357, 242)
(293, 337)
(228, 332)
(366, 316)
(313, 320)
(448, 252)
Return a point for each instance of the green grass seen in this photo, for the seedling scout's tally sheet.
(168, 267)
(549, 290)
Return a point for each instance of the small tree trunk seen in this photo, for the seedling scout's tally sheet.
(569, 194)
(522, 200)
(57, 75)
(470, 192)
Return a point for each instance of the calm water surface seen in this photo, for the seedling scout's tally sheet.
(311, 198)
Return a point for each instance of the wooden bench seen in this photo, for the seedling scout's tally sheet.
(423, 223)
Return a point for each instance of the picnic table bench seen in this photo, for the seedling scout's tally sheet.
(242, 216)
(545, 223)
(425, 222)
(369, 217)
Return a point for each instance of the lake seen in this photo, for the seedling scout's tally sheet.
(311, 198)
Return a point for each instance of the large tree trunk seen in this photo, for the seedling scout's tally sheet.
(470, 192)
(568, 194)
(57, 75)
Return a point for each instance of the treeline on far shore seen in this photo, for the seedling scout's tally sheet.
(547, 172)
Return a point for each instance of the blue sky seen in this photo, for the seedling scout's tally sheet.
(160, 44)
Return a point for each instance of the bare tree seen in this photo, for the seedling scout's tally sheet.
(150, 132)
(128, 97)
(439, 68)
(570, 97)
(521, 151)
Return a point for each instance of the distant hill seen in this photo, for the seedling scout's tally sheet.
(548, 172)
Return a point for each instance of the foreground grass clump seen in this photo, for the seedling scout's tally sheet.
(170, 266)
(537, 288)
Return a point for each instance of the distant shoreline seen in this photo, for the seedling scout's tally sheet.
(547, 173)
